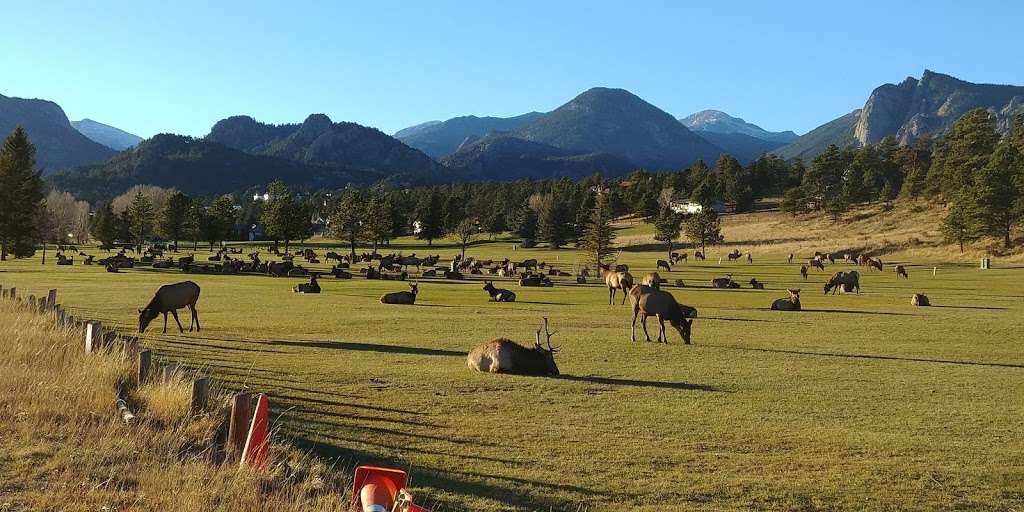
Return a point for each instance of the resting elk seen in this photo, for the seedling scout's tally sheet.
(408, 297)
(499, 294)
(790, 304)
(502, 355)
(169, 299)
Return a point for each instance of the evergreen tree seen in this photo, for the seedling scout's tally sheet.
(666, 227)
(525, 225)
(140, 220)
(104, 226)
(599, 237)
(960, 226)
(222, 216)
(429, 216)
(822, 182)
(965, 150)
(21, 196)
(704, 228)
(378, 221)
(551, 221)
(735, 182)
(997, 200)
(174, 217)
(347, 219)
(285, 218)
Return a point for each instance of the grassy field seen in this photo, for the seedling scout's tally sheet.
(857, 403)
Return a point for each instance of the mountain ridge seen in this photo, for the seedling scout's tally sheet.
(58, 144)
(110, 136)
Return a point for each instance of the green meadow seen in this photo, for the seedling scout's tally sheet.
(859, 402)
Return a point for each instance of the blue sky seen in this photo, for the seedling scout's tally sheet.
(179, 66)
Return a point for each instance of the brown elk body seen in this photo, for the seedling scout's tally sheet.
(408, 297)
(648, 301)
(653, 280)
(843, 281)
(499, 294)
(790, 304)
(169, 299)
(502, 355)
(616, 281)
(901, 272)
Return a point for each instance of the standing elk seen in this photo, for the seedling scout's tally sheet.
(901, 272)
(616, 281)
(734, 255)
(790, 259)
(499, 294)
(790, 304)
(843, 281)
(697, 255)
(170, 298)
(649, 301)
(653, 280)
(803, 272)
(408, 297)
(502, 355)
(816, 263)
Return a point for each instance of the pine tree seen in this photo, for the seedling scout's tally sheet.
(429, 215)
(667, 226)
(285, 218)
(552, 220)
(104, 226)
(997, 201)
(378, 221)
(140, 220)
(21, 196)
(599, 237)
(963, 153)
(704, 228)
(959, 225)
(822, 182)
(525, 225)
(222, 217)
(464, 232)
(174, 217)
(347, 219)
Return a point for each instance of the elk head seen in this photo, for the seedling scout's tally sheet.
(547, 354)
(145, 317)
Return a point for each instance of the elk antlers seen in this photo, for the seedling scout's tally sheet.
(548, 335)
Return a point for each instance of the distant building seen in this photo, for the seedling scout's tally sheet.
(261, 197)
(691, 207)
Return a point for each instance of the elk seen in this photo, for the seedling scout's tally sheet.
(311, 287)
(734, 255)
(817, 263)
(790, 259)
(653, 280)
(502, 355)
(499, 294)
(803, 271)
(901, 272)
(750, 258)
(875, 264)
(170, 298)
(724, 282)
(697, 255)
(662, 264)
(649, 301)
(920, 299)
(843, 281)
(403, 297)
(790, 304)
(755, 284)
(616, 281)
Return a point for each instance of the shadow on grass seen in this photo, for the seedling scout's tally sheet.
(610, 381)
(970, 307)
(869, 356)
(371, 347)
(854, 312)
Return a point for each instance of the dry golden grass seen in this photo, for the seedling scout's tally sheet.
(64, 447)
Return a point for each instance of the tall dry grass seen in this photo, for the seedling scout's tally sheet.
(64, 447)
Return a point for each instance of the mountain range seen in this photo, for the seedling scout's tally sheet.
(111, 137)
(909, 110)
(602, 130)
(58, 144)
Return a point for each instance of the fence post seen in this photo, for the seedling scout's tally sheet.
(169, 370)
(145, 364)
(200, 390)
(238, 428)
(14, 293)
(51, 298)
(32, 302)
(93, 336)
(58, 312)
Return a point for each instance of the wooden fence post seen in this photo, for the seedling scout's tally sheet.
(93, 336)
(58, 312)
(169, 370)
(145, 364)
(238, 428)
(32, 302)
(51, 298)
(14, 293)
(200, 391)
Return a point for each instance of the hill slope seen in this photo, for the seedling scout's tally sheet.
(319, 141)
(439, 139)
(617, 122)
(58, 144)
(716, 121)
(502, 157)
(911, 109)
(742, 146)
(111, 137)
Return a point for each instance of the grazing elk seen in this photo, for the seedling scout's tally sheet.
(875, 264)
(697, 255)
(816, 263)
(311, 287)
(662, 264)
(790, 304)
(615, 281)
(502, 355)
(652, 280)
(648, 301)
(408, 297)
(901, 272)
(755, 284)
(169, 299)
(499, 294)
(843, 281)
(677, 257)
(724, 282)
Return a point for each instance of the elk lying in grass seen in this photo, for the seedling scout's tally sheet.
(649, 301)
(502, 355)
(724, 282)
(901, 272)
(616, 281)
(755, 284)
(169, 299)
(408, 297)
(920, 299)
(844, 282)
(790, 304)
(311, 287)
(499, 294)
